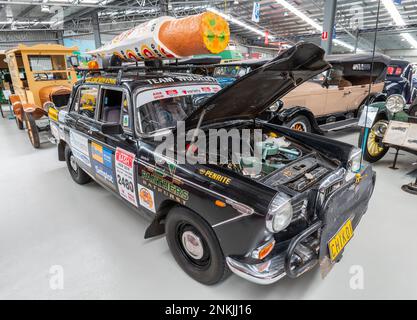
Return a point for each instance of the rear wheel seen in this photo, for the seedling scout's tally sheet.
(299, 123)
(32, 129)
(77, 174)
(374, 148)
(195, 246)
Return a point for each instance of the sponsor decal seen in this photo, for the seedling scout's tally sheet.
(146, 198)
(125, 175)
(215, 176)
(101, 80)
(161, 185)
(103, 163)
(180, 91)
(125, 120)
(79, 148)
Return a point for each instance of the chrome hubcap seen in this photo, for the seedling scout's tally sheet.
(73, 163)
(192, 244)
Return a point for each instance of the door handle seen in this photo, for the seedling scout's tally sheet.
(347, 93)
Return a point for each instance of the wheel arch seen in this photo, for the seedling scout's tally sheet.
(289, 114)
(157, 226)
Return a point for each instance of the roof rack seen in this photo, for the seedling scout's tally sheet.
(121, 69)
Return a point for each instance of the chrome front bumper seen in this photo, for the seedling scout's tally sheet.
(351, 199)
(263, 273)
(292, 263)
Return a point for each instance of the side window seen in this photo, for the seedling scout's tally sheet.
(111, 105)
(86, 101)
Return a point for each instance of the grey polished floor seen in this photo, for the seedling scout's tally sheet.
(49, 226)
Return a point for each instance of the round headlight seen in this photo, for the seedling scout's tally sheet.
(280, 213)
(395, 103)
(274, 107)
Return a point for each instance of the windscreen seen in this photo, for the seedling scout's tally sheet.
(162, 108)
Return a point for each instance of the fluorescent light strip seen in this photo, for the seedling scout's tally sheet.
(312, 23)
(240, 23)
(399, 21)
(393, 11)
(299, 14)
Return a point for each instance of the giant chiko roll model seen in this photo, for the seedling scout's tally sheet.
(170, 38)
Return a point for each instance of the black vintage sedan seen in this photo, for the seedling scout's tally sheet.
(300, 209)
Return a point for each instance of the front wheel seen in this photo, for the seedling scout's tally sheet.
(32, 129)
(374, 148)
(77, 174)
(299, 123)
(195, 246)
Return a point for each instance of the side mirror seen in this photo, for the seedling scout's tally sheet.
(111, 128)
(325, 83)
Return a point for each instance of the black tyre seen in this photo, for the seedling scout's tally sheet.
(299, 123)
(374, 149)
(32, 130)
(77, 174)
(195, 246)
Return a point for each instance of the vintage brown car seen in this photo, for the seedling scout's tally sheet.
(41, 79)
(333, 100)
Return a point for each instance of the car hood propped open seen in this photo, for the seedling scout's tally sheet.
(250, 95)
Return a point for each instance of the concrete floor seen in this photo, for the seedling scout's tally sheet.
(47, 220)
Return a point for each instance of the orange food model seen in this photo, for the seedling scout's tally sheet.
(168, 38)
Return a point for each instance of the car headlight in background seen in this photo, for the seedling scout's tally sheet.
(274, 107)
(395, 103)
(354, 162)
(280, 213)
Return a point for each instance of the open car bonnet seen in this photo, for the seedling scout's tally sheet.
(250, 95)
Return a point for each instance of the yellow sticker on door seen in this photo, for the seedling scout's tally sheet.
(146, 198)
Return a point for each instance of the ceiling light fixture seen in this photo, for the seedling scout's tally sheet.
(312, 23)
(232, 19)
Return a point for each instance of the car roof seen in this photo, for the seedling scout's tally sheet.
(136, 79)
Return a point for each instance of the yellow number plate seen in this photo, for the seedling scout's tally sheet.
(340, 239)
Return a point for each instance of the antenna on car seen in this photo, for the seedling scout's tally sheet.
(365, 136)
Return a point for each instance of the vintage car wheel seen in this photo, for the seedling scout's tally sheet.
(374, 149)
(299, 123)
(195, 246)
(32, 129)
(77, 174)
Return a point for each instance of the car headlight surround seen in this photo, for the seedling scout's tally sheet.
(355, 157)
(280, 213)
(395, 103)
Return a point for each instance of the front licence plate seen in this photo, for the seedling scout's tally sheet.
(340, 239)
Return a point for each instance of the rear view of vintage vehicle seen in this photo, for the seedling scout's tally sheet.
(300, 209)
(41, 79)
(399, 80)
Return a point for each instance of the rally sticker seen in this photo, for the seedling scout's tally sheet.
(102, 163)
(125, 175)
(79, 147)
(146, 198)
